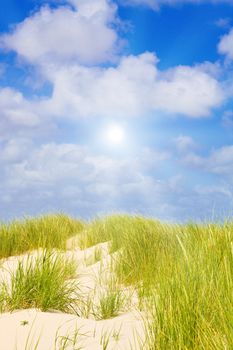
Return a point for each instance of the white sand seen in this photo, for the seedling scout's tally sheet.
(22, 329)
(47, 327)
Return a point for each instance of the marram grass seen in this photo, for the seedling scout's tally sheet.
(183, 275)
(42, 282)
(49, 231)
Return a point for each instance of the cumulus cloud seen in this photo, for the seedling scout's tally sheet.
(226, 45)
(68, 45)
(64, 42)
(71, 163)
(22, 117)
(104, 10)
(188, 90)
(54, 173)
(184, 143)
(219, 161)
(16, 109)
(135, 87)
(70, 177)
(14, 150)
(85, 34)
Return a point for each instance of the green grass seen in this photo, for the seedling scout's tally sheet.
(142, 243)
(42, 283)
(192, 307)
(105, 339)
(69, 341)
(111, 228)
(110, 304)
(183, 275)
(105, 301)
(49, 231)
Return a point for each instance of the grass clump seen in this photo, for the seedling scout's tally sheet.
(49, 231)
(192, 306)
(184, 276)
(145, 245)
(110, 305)
(141, 244)
(106, 229)
(42, 282)
(111, 301)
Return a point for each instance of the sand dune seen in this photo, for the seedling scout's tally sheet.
(28, 326)
(22, 329)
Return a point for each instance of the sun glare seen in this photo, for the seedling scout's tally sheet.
(115, 134)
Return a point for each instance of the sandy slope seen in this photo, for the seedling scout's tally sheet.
(21, 329)
(47, 327)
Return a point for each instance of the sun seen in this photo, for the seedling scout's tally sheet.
(115, 134)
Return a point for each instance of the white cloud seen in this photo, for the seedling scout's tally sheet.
(67, 44)
(61, 174)
(227, 119)
(63, 35)
(191, 158)
(212, 190)
(70, 177)
(16, 110)
(21, 118)
(226, 45)
(51, 163)
(101, 10)
(14, 150)
(188, 90)
(219, 161)
(184, 143)
(63, 42)
(134, 87)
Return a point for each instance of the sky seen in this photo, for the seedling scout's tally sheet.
(116, 106)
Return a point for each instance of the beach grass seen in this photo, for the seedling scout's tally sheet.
(42, 282)
(182, 273)
(111, 303)
(48, 231)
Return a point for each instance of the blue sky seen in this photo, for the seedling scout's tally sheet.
(73, 72)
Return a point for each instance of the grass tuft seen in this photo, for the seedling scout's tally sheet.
(49, 231)
(111, 301)
(42, 283)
